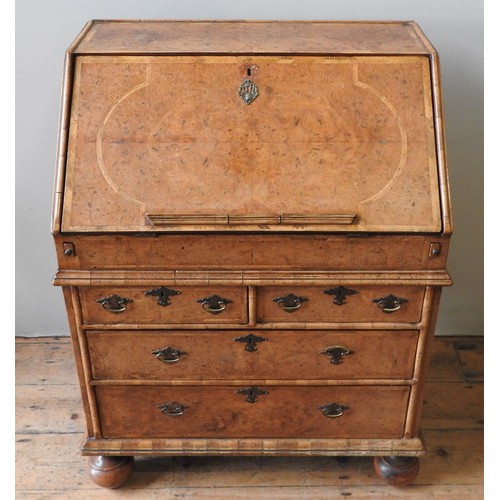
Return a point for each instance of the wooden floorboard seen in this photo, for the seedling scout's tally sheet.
(49, 427)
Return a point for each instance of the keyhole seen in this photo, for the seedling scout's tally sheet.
(249, 71)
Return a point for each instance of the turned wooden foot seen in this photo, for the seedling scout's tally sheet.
(110, 472)
(397, 471)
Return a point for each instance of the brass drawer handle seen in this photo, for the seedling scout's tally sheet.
(114, 303)
(337, 353)
(390, 304)
(168, 354)
(172, 408)
(333, 410)
(290, 302)
(214, 304)
(163, 294)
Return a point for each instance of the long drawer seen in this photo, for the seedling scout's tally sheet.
(248, 411)
(334, 304)
(275, 354)
(188, 305)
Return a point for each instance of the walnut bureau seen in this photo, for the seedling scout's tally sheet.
(252, 222)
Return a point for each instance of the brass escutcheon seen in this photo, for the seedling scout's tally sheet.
(163, 295)
(337, 353)
(339, 294)
(248, 91)
(251, 393)
(250, 341)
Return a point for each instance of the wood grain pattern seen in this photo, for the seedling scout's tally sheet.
(359, 307)
(328, 37)
(317, 307)
(214, 411)
(362, 143)
(183, 308)
(275, 447)
(293, 253)
(48, 439)
(282, 355)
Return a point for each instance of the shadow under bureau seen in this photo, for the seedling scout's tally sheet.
(251, 221)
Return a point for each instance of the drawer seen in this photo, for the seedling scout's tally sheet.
(285, 355)
(252, 412)
(334, 304)
(157, 305)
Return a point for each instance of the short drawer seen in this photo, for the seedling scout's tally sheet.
(157, 305)
(339, 304)
(252, 412)
(275, 354)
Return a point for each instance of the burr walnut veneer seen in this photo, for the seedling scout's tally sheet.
(251, 222)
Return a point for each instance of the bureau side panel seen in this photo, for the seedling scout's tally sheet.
(80, 355)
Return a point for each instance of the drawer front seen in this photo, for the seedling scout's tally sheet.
(157, 305)
(334, 304)
(258, 412)
(285, 355)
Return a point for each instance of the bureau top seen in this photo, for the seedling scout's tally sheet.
(257, 37)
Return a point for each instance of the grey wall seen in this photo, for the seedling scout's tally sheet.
(44, 29)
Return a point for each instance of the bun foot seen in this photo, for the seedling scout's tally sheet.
(396, 471)
(110, 472)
